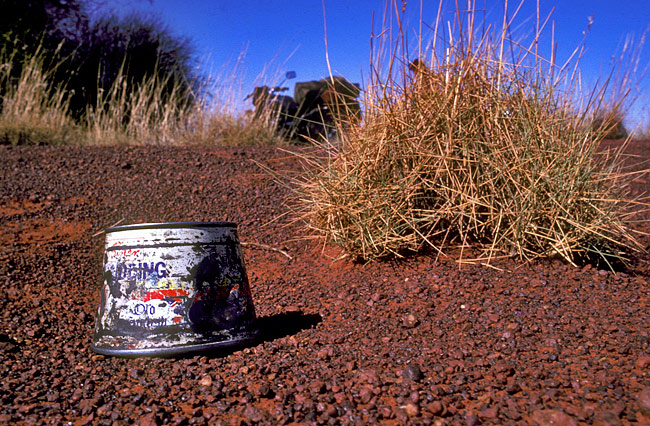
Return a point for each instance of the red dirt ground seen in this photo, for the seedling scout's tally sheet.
(394, 342)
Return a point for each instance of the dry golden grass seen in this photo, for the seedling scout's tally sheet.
(468, 148)
(145, 117)
(128, 113)
(32, 110)
(220, 119)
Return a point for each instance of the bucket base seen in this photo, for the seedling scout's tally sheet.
(152, 347)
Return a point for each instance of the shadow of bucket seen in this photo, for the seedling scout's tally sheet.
(171, 289)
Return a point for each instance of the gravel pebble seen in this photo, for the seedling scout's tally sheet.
(412, 372)
(643, 401)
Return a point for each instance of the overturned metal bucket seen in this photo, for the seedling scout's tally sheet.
(173, 288)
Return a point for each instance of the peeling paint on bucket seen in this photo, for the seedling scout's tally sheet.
(173, 288)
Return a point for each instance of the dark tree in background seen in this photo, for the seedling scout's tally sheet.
(138, 47)
(28, 24)
(90, 53)
(613, 125)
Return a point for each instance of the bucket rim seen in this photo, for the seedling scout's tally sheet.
(170, 225)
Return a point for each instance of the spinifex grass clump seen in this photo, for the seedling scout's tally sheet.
(467, 148)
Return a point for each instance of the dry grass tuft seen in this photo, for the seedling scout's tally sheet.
(468, 148)
(123, 116)
(144, 117)
(129, 113)
(33, 112)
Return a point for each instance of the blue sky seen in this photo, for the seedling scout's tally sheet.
(290, 34)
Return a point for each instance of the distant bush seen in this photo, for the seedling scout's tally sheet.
(155, 110)
(48, 29)
(610, 125)
(65, 78)
(51, 27)
(132, 49)
(92, 56)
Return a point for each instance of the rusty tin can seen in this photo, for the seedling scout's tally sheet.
(173, 288)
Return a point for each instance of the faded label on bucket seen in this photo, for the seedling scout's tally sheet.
(173, 287)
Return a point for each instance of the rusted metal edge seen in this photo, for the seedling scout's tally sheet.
(178, 350)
